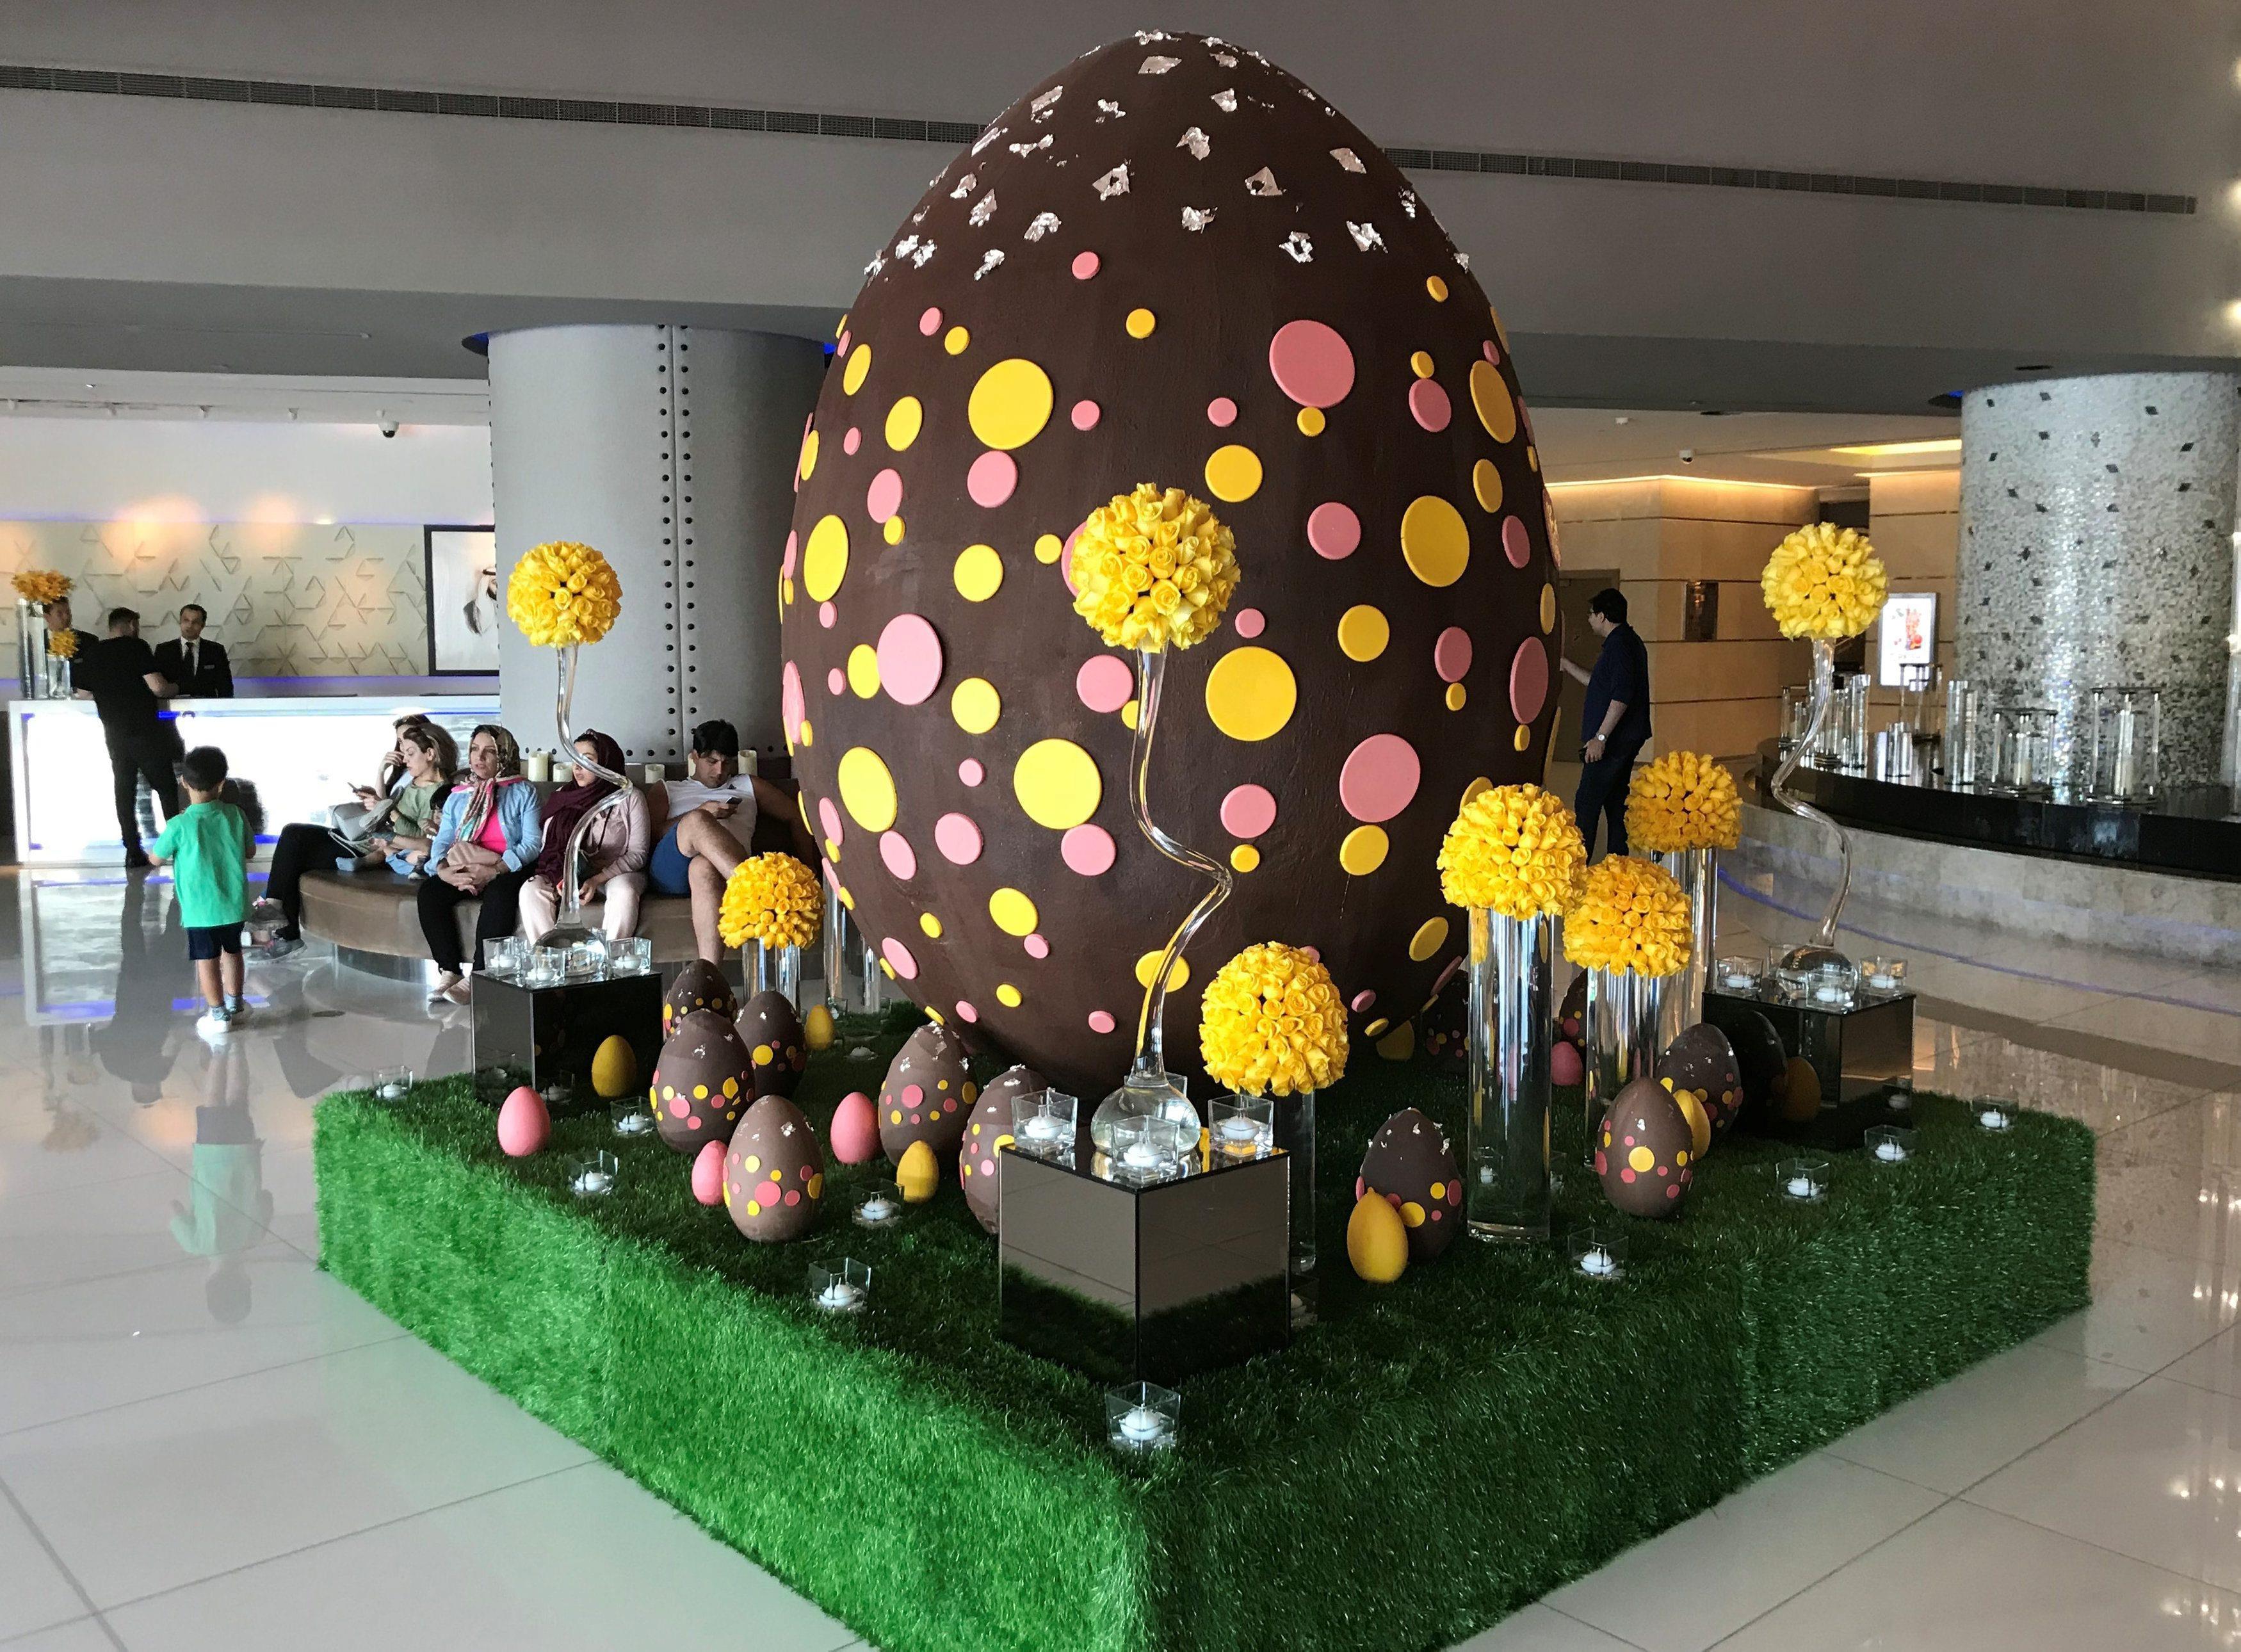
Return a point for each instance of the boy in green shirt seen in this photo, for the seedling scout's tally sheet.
(209, 846)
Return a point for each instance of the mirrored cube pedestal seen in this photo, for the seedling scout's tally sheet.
(1144, 1283)
(1861, 1057)
(546, 1036)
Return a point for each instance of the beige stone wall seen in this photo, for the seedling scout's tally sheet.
(287, 599)
(1659, 533)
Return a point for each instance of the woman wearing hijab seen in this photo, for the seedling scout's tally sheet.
(485, 849)
(614, 849)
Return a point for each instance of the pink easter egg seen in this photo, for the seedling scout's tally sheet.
(524, 1125)
(855, 1132)
(1564, 1064)
(708, 1173)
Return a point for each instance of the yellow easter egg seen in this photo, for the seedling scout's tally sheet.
(919, 1173)
(1376, 1241)
(614, 1068)
(817, 1027)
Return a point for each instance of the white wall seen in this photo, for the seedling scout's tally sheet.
(86, 470)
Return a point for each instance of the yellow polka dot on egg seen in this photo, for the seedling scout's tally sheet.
(1250, 694)
(979, 573)
(1431, 936)
(975, 705)
(1244, 857)
(1642, 1159)
(1363, 850)
(808, 454)
(1477, 786)
(904, 419)
(1014, 913)
(1048, 547)
(1548, 607)
(867, 790)
(931, 924)
(860, 363)
(1437, 288)
(1310, 421)
(1412, 1213)
(1375, 1027)
(1177, 974)
(955, 339)
(1010, 403)
(825, 559)
(1057, 783)
(1491, 397)
(1524, 738)
(892, 530)
(808, 734)
(1457, 696)
(1232, 472)
(1532, 456)
(1009, 996)
(1421, 364)
(864, 670)
(1439, 1190)
(1128, 716)
(1141, 323)
(842, 326)
(1362, 632)
(1486, 485)
(1433, 541)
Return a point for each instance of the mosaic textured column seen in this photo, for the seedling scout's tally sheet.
(2096, 523)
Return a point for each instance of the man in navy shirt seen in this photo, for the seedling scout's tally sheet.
(1616, 718)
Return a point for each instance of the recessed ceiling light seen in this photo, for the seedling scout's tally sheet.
(1892, 450)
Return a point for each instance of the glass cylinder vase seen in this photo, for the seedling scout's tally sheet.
(1680, 996)
(1622, 1037)
(1512, 980)
(774, 969)
(852, 969)
(30, 648)
(1295, 1138)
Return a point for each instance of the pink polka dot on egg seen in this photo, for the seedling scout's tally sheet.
(835, 680)
(1105, 683)
(1334, 530)
(1248, 811)
(1036, 947)
(1085, 265)
(884, 497)
(958, 839)
(1101, 1020)
(1086, 414)
(852, 440)
(1428, 404)
(1451, 654)
(898, 855)
(929, 321)
(1088, 850)
(991, 480)
(1221, 412)
(1250, 623)
(971, 773)
(827, 613)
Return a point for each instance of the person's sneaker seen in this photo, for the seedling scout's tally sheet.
(282, 946)
(216, 1022)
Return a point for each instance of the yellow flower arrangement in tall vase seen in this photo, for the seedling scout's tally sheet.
(35, 589)
(562, 595)
(1825, 584)
(1629, 931)
(773, 903)
(1153, 569)
(1683, 809)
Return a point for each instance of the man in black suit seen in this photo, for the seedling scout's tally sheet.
(195, 663)
(119, 676)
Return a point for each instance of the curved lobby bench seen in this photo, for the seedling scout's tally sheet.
(374, 922)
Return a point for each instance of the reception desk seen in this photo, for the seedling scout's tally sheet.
(302, 754)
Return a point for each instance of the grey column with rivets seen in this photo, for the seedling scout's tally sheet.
(672, 450)
(2096, 549)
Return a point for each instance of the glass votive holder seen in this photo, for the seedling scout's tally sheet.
(393, 1083)
(839, 1285)
(547, 967)
(1889, 1144)
(594, 1175)
(1241, 1128)
(1043, 1124)
(1884, 974)
(1992, 1113)
(1835, 986)
(502, 955)
(631, 1117)
(1148, 1147)
(880, 1206)
(1599, 1253)
(583, 959)
(1805, 1179)
(1142, 1416)
(1793, 983)
(1739, 973)
(632, 955)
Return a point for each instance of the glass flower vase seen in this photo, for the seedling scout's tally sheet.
(852, 972)
(1295, 1138)
(32, 648)
(1506, 1191)
(1681, 995)
(1150, 1088)
(774, 969)
(1621, 1040)
(1822, 948)
(569, 929)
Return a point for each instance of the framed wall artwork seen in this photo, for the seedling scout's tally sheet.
(465, 608)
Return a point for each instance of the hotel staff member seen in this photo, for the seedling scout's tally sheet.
(119, 676)
(1616, 718)
(194, 662)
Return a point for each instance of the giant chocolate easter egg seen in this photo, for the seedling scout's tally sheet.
(702, 1082)
(776, 1044)
(1169, 263)
(1701, 1065)
(1644, 1152)
(699, 986)
(774, 1172)
(988, 1130)
(927, 1093)
(1408, 1163)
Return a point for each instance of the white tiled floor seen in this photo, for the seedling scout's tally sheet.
(205, 1443)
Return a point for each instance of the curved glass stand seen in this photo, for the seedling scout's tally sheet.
(1821, 949)
(1150, 1088)
(569, 928)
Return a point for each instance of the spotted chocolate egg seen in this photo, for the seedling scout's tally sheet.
(927, 1094)
(699, 986)
(776, 1044)
(1701, 1064)
(1410, 1164)
(1760, 1059)
(702, 1083)
(1173, 263)
(774, 1172)
(1446, 1024)
(989, 1128)
(1572, 1013)
(1645, 1153)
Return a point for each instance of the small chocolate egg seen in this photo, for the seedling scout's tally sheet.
(702, 1083)
(1644, 1152)
(775, 1042)
(699, 986)
(927, 1093)
(774, 1172)
(525, 1124)
(1377, 1242)
(1701, 1062)
(1410, 1164)
(988, 1129)
(1572, 1013)
(855, 1129)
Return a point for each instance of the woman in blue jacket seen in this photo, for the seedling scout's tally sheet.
(485, 849)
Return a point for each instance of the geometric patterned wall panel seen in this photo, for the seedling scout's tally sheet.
(287, 599)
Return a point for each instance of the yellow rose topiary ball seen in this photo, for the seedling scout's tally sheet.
(772, 899)
(1152, 569)
(41, 585)
(1516, 849)
(1682, 800)
(1824, 582)
(1272, 1023)
(561, 592)
(1631, 920)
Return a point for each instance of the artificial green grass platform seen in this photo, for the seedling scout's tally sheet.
(1432, 1456)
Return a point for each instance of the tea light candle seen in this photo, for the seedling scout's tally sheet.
(590, 1184)
(1043, 1127)
(840, 1297)
(1889, 1151)
(1598, 1263)
(391, 1089)
(877, 1210)
(1141, 1155)
(1800, 1186)
(1882, 981)
(1142, 1426)
(1736, 981)
(633, 1124)
(1992, 1116)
